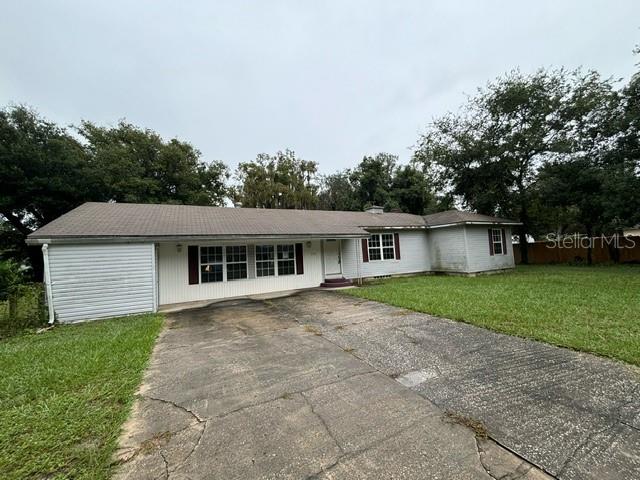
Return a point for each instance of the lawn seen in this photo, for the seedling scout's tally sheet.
(594, 309)
(65, 393)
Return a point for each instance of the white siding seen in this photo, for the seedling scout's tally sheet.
(447, 249)
(173, 276)
(414, 257)
(97, 281)
(480, 259)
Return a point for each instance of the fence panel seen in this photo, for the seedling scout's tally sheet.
(603, 251)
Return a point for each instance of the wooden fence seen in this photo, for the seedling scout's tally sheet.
(604, 250)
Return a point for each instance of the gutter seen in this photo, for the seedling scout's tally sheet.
(187, 238)
(457, 224)
(47, 283)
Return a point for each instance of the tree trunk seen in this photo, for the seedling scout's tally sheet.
(614, 247)
(524, 245)
(13, 308)
(589, 245)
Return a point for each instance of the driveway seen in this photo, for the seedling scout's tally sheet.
(321, 385)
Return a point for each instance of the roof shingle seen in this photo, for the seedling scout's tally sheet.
(106, 220)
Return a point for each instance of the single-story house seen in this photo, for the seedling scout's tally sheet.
(110, 259)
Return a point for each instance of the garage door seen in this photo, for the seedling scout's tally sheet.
(98, 281)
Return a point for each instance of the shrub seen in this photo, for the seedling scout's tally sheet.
(21, 304)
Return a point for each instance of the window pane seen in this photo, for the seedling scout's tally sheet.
(285, 252)
(236, 253)
(236, 271)
(374, 247)
(211, 273)
(265, 269)
(497, 236)
(497, 248)
(388, 253)
(210, 254)
(387, 240)
(286, 267)
(264, 252)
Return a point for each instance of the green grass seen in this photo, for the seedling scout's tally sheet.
(594, 309)
(65, 393)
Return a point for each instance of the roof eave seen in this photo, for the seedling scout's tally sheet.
(455, 224)
(185, 238)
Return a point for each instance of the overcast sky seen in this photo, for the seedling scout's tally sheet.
(331, 80)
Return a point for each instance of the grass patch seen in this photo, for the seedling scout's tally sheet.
(593, 309)
(64, 395)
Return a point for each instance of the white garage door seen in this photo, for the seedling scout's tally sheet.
(98, 281)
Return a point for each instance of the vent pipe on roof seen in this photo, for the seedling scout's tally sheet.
(374, 209)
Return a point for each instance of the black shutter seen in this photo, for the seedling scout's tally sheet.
(365, 250)
(396, 241)
(504, 242)
(192, 254)
(299, 259)
(490, 242)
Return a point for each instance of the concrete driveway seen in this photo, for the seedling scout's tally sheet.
(320, 385)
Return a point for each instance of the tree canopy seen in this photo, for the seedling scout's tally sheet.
(277, 181)
(47, 170)
(523, 138)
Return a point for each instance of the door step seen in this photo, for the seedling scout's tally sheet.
(336, 283)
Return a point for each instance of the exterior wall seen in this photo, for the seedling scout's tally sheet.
(99, 281)
(479, 257)
(414, 257)
(173, 276)
(447, 249)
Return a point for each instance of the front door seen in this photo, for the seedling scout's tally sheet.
(332, 257)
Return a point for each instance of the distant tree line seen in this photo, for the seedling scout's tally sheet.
(557, 150)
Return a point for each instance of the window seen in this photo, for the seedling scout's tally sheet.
(210, 264)
(236, 262)
(374, 248)
(286, 260)
(265, 263)
(496, 236)
(387, 246)
(381, 247)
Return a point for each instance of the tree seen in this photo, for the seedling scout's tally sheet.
(46, 171)
(138, 166)
(372, 180)
(337, 192)
(279, 181)
(411, 190)
(489, 154)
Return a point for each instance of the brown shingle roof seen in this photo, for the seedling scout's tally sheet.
(149, 220)
(108, 220)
